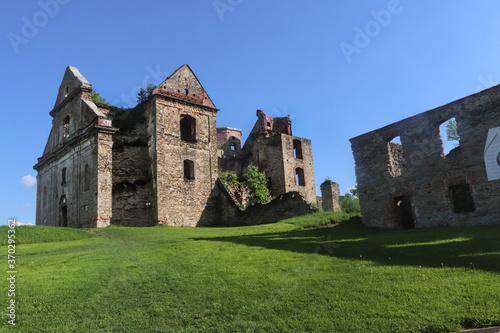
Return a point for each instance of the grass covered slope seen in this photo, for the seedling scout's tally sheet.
(282, 277)
(39, 234)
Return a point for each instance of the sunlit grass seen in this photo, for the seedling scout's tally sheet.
(282, 277)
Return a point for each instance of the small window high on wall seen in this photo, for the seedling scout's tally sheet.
(66, 127)
(188, 128)
(449, 136)
(297, 149)
(63, 176)
(188, 169)
(299, 177)
(395, 149)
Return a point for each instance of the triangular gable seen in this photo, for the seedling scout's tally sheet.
(184, 84)
(72, 80)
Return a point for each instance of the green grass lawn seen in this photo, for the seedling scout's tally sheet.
(282, 277)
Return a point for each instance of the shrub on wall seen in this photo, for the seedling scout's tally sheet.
(254, 181)
(257, 182)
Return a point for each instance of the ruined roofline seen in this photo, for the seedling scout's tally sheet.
(228, 128)
(169, 85)
(189, 102)
(449, 110)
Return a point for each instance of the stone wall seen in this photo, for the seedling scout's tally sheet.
(182, 201)
(132, 174)
(74, 172)
(417, 185)
(330, 193)
(294, 163)
(284, 206)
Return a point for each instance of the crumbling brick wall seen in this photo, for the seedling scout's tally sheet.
(416, 184)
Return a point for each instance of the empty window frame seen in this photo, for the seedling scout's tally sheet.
(395, 149)
(86, 178)
(233, 146)
(66, 127)
(449, 136)
(297, 149)
(461, 198)
(188, 128)
(63, 176)
(299, 177)
(404, 213)
(188, 170)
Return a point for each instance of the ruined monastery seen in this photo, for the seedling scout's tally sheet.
(415, 184)
(158, 163)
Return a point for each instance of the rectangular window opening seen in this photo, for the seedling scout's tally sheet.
(449, 130)
(299, 177)
(461, 198)
(188, 169)
(404, 212)
(396, 161)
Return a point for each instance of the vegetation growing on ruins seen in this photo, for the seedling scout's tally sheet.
(257, 183)
(281, 277)
(145, 94)
(253, 180)
(98, 99)
(127, 119)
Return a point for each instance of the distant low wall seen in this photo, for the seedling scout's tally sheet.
(285, 206)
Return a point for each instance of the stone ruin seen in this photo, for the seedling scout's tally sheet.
(414, 184)
(157, 163)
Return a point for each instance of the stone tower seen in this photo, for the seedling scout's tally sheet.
(183, 148)
(74, 173)
(330, 193)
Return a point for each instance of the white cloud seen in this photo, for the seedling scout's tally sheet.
(28, 181)
(17, 223)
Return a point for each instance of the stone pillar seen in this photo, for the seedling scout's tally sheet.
(330, 192)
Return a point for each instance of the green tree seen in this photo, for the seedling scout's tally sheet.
(349, 204)
(354, 191)
(98, 99)
(257, 183)
(145, 93)
(451, 130)
(230, 177)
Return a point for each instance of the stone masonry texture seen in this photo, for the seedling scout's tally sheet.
(157, 163)
(415, 184)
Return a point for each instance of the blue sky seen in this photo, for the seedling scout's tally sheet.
(339, 68)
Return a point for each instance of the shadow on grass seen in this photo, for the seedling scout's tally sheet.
(467, 247)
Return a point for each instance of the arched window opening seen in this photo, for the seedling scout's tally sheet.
(297, 149)
(449, 130)
(188, 169)
(66, 92)
(66, 127)
(299, 177)
(395, 149)
(63, 212)
(86, 178)
(233, 146)
(63, 176)
(188, 128)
